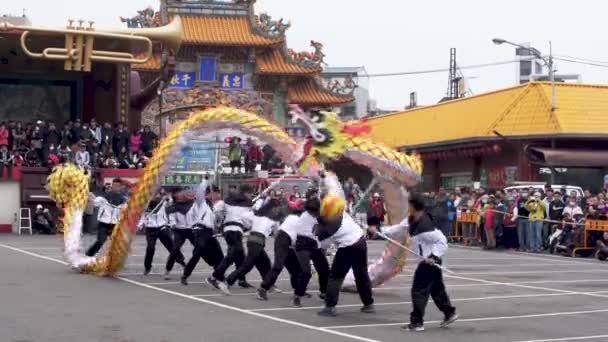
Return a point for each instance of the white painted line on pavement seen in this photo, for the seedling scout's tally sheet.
(480, 319)
(209, 302)
(533, 295)
(578, 338)
(524, 286)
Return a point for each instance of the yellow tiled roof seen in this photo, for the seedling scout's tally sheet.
(275, 63)
(307, 92)
(517, 111)
(227, 30)
(153, 64)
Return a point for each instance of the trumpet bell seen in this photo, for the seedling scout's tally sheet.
(170, 34)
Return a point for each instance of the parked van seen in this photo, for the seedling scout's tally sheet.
(541, 187)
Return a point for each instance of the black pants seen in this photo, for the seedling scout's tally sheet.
(103, 231)
(305, 254)
(355, 257)
(256, 256)
(284, 256)
(162, 234)
(509, 237)
(179, 237)
(234, 254)
(206, 247)
(42, 228)
(428, 280)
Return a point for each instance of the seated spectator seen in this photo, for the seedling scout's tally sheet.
(135, 141)
(136, 160)
(43, 222)
(64, 152)
(94, 153)
(124, 162)
(602, 247)
(111, 161)
(82, 157)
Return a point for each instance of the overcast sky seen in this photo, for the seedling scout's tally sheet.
(399, 35)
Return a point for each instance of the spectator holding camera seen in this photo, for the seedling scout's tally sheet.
(536, 209)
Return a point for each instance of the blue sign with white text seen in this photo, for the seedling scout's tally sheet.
(196, 156)
(182, 80)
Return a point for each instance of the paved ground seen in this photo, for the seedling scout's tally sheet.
(500, 297)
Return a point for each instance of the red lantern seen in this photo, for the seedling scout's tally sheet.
(497, 148)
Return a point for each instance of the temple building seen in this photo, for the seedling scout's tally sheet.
(232, 56)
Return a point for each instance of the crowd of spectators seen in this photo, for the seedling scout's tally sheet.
(250, 155)
(530, 219)
(89, 145)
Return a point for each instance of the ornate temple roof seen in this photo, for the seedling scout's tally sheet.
(235, 24)
(309, 92)
(277, 62)
(224, 31)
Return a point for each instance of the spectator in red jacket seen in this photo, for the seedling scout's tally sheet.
(375, 212)
(4, 133)
(253, 156)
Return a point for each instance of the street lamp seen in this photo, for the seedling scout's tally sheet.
(548, 61)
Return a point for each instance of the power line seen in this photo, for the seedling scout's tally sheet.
(580, 62)
(582, 59)
(430, 71)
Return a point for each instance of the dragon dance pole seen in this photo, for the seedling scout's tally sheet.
(398, 244)
(270, 187)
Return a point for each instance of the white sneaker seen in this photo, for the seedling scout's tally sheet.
(223, 287)
(167, 275)
(275, 289)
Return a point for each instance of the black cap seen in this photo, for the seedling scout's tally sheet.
(417, 202)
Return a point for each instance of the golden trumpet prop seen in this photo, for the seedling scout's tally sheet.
(79, 53)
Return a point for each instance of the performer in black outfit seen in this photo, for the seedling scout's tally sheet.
(109, 204)
(263, 222)
(284, 253)
(308, 249)
(343, 232)
(236, 207)
(156, 224)
(206, 245)
(431, 244)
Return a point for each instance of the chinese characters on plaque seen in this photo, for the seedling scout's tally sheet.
(182, 80)
(181, 179)
(231, 80)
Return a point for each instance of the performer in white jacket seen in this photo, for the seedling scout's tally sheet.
(109, 205)
(156, 223)
(431, 245)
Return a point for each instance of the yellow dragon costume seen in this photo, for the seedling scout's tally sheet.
(329, 139)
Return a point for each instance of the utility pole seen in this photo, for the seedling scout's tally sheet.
(551, 77)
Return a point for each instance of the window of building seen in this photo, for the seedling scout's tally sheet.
(525, 68)
(207, 66)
